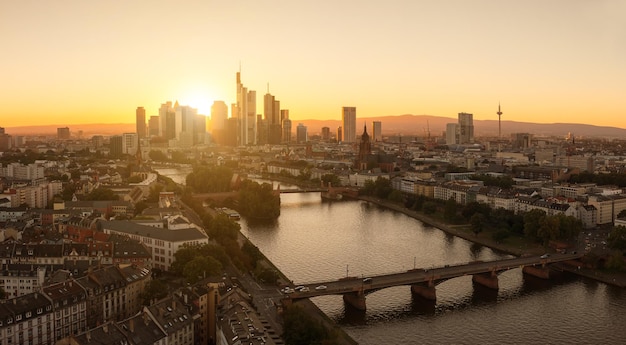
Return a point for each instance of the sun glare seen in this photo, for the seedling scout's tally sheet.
(201, 100)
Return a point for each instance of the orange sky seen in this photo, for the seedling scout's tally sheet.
(72, 62)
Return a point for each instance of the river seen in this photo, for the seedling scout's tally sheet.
(314, 241)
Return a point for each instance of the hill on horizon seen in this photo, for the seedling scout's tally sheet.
(405, 125)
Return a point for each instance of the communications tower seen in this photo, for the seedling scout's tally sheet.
(499, 126)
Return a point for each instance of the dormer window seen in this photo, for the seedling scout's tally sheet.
(28, 314)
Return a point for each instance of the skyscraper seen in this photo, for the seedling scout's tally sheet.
(466, 128)
(286, 131)
(349, 124)
(451, 133)
(130, 143)
(185, 124)
(219, 114)
(166, 118)
(245, 112)
(272, 116)
(153, 126)
(140, 122)
(301, 133)
(63, 133)
(325, 133)
(377, 133)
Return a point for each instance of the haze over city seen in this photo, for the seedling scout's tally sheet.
(74, 62)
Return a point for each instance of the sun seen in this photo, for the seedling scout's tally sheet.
(201, 99)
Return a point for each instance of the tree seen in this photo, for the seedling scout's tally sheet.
(332, 179)
(258, 200)
(268, 275)
(449, 211)
(201, 267)
(616, 262)
(222, 228)
(252, 252)
(475, 207)
(382, 187)
(102, 194)
(155, 190)
(532, 221)
(155, 289)
(205, 179)
(301, 329)
(549, 229)
(139, 207)
(477, 223)
(157, 156)
(617, 238)
(429, 207)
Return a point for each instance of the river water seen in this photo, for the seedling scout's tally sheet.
(315, 241)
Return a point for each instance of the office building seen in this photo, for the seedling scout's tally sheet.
(325, 133)
(466, 128)
(245, 112)
(153, 126)
(167, 121)
(452, 133)
(301, 133)
(5, 141)
(219, 114)
(130, 143)
(377, 134)
(286, 131)
(115, 146)
(63, 133)
(348, 120)
(140, 122)
(272, 116)
(339, 134)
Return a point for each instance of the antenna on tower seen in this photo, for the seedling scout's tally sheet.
(499, 126)
(268, 87)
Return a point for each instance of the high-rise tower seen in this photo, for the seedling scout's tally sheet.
(140, 122)
(499, 126)
(245, 112)
(466, 128)
(349, 124)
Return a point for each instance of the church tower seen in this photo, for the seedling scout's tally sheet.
(365, 150)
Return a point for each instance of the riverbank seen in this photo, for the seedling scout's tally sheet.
(484, 239)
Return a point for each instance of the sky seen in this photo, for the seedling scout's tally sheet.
(75, 62)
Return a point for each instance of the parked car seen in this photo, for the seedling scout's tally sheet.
(545, 256)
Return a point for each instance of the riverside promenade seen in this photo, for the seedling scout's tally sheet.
(615, 279)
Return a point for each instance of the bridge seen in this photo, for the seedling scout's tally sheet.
(424, 280)
(327, 192)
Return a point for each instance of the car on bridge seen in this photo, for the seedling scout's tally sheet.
(321, 287)
(367, 280)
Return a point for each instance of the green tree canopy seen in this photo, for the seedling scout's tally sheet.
(258, 200)
(102, 194)
(201, 267)
(532, 222)
(210, 179)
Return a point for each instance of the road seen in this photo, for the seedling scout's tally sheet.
(414, 276)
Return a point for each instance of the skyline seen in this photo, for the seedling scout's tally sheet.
(73, 62)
